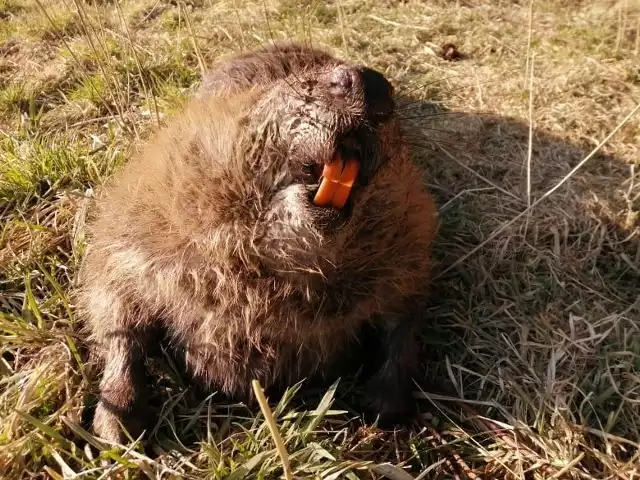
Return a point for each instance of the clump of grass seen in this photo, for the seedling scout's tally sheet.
(59, 25)
(35, 165)
(8, 9)
(15, 98)
(94, 88)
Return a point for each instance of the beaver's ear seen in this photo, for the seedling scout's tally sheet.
(238, 73)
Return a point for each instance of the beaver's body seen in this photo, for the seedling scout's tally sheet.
(211, 236)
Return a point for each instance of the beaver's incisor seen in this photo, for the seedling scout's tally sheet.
(210, 236)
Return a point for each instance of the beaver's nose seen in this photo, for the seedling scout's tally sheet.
(345, 81)
(342, 79)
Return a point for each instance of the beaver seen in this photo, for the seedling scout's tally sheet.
(210, 235)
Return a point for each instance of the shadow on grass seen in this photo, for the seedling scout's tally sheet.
(534, 328)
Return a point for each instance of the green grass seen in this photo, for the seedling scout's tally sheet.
(532, 356)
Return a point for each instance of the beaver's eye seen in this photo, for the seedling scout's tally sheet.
(307, 172)
(312, 172)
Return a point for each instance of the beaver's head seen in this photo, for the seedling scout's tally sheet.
(262, 151)
(313, 118)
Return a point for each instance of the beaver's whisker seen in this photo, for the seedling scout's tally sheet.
(435, 142)
(440, 130)
(418, 101)
(444, 114)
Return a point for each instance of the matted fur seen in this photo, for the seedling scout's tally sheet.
(209, 236)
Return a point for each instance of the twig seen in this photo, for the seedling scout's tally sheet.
(458, 459)
(193, 39)
(148, 92)
(489, 426)
(530, 146)
(471, 170)
(273, 428)
(608, 436)
(526, 68)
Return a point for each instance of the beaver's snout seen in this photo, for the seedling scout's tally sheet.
(344, 81)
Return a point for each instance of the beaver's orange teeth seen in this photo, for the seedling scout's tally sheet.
(345, 184)
(328, 184)
(337, 181)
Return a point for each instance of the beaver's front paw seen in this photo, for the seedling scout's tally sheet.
(393, 407)
(106, 424)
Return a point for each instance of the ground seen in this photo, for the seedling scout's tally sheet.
(532, 352)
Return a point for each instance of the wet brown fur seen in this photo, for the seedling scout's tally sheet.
(195, 236)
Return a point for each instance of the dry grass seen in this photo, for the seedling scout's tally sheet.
(532, 361)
